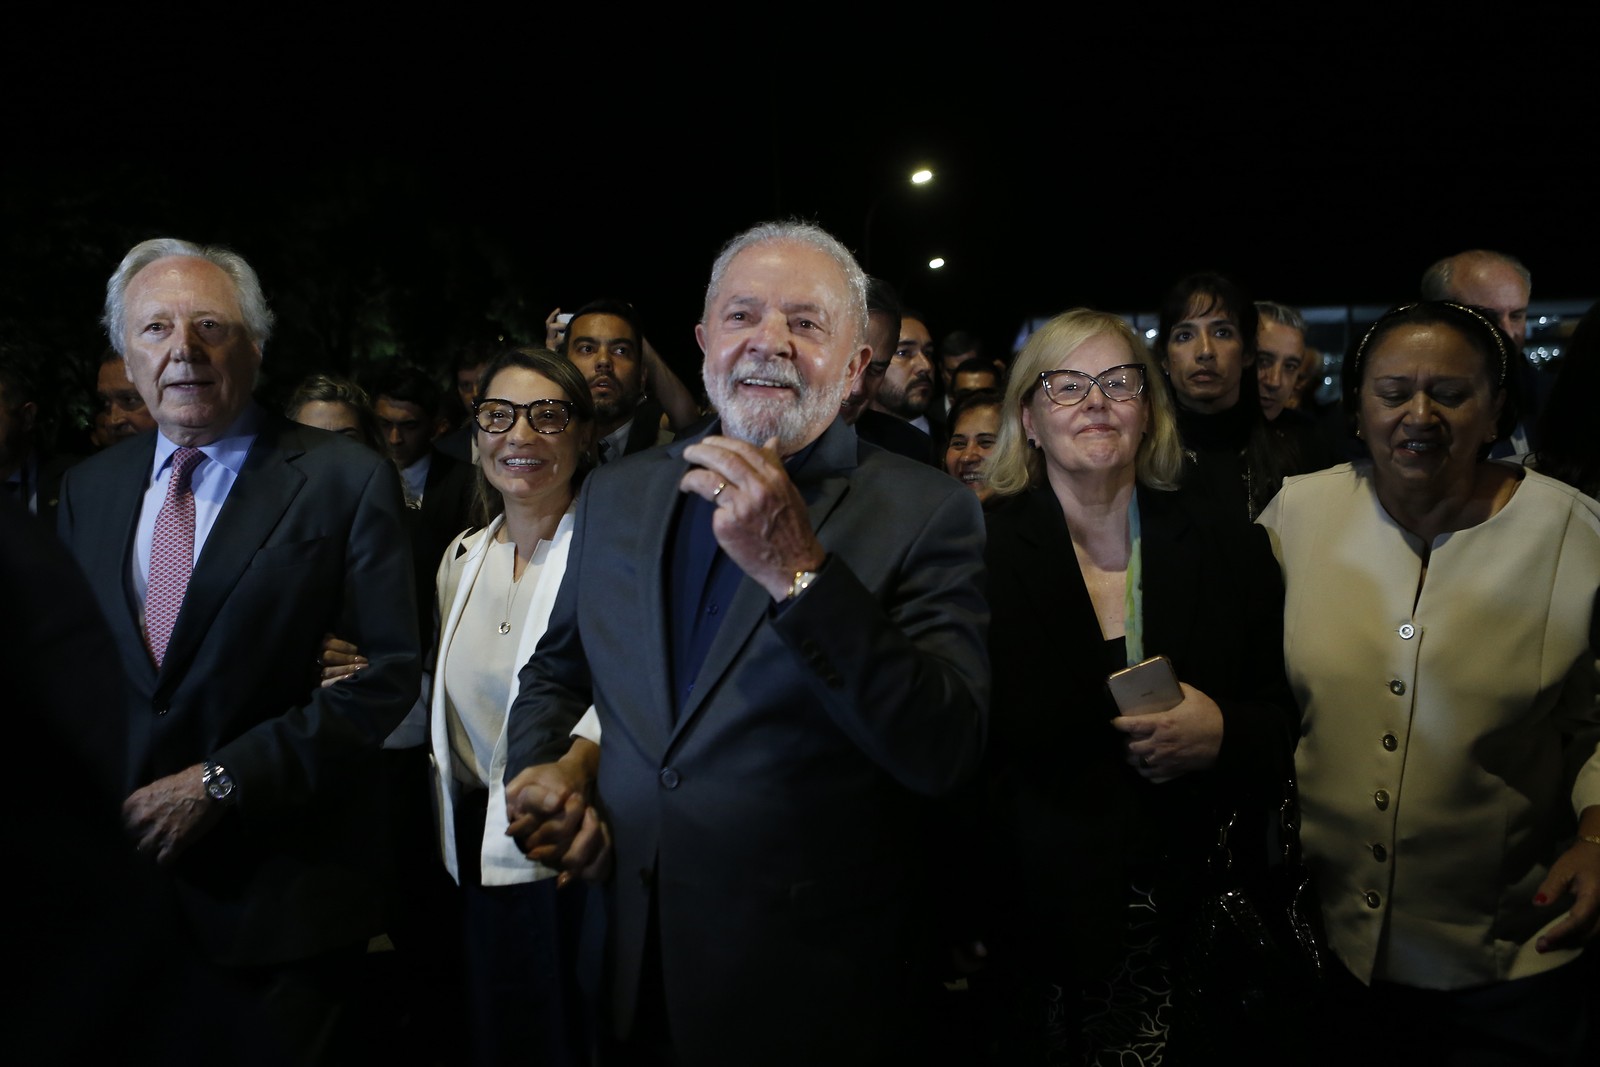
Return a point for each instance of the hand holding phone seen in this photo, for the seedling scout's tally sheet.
(1147, 687)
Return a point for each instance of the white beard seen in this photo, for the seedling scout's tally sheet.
(795, 420)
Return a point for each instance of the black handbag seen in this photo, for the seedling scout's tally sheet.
(1249, 970)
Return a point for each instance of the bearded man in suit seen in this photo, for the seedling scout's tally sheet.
(801, 668)
(221, 549)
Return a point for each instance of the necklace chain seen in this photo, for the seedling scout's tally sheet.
(511, 593)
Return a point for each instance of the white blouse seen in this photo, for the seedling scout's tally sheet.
(480, 663)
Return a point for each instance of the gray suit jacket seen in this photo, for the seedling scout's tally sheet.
(773, 830)
(308, 542)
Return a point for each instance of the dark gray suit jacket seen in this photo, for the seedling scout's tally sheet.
(774, 828)
(308, 542)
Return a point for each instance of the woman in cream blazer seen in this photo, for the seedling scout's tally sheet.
(508, 983)
(1440, 632)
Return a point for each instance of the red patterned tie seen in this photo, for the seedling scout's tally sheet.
(171, 554)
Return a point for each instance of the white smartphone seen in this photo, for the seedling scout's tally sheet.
(1147, 687)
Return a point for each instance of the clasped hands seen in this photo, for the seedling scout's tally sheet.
(550, 814)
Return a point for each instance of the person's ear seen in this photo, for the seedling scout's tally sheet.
(857, 362)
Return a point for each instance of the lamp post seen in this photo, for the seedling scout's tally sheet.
(920, 177)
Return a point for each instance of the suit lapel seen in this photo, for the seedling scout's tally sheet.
(266, 485)
(822, 480)
(659, 499)
(121, 503)
(1057, 590)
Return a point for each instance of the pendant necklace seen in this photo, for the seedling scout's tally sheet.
(511, 594)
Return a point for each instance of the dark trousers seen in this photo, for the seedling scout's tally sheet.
(1542, 1019)
(302, 1012)
(525, 1003)
(649, 1042)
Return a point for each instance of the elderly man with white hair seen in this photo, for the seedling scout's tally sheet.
(803, 668)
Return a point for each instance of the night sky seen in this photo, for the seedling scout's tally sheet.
(417, 186)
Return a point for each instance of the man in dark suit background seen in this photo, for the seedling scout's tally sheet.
(909, 388)
(882, 429)
(438, 486)
(28, 474)
(605, 343)
(220, 550)
(801, 666)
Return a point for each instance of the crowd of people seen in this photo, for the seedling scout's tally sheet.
(794, 720)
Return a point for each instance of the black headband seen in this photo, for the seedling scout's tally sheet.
(1392, 313)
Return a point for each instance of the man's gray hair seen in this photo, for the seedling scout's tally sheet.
(1282, 314)
(252, 302)
(1438, 280)
(794, 231)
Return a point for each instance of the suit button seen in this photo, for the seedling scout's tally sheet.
(1407, 632)
(1390, 742)
(1372, 898)
(1397, 687)
(162, 711)
(647, 877)
(812, 650)
(1381, 798)
(1380, 853)
(669, 778)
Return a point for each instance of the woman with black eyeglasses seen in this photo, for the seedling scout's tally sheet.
(1099, 821)
(496, 584)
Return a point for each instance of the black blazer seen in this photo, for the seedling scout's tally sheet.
(646, 429)
(1067, 811)
(897, 435)
(308, 542)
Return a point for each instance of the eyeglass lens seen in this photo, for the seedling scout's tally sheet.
(1068, 387)
(545, 416)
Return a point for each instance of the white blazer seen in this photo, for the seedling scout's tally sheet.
(503, 862)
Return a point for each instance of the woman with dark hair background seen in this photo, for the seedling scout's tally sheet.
(1206, 344)
(974, 425)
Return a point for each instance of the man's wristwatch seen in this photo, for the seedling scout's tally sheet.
(802, 581)
(218, 782)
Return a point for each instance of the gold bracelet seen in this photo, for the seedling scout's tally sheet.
(1591, 838)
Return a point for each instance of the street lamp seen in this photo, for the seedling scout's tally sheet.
(919, 177)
